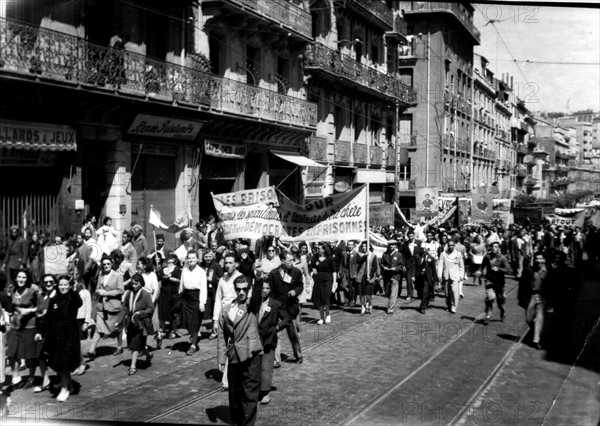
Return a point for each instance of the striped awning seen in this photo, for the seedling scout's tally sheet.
(37, 136)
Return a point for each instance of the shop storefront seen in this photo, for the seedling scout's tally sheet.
(39, 179)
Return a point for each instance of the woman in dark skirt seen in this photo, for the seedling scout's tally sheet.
(169, 301)
(47, 292)
(62, 344)
(21, 342)
(323, 271)
(139, 307)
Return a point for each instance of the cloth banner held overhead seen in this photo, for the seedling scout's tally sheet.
(180, 222)
(337, 217)
(576, 219)
(443, 217)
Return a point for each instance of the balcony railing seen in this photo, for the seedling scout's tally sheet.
(530, 181)
(343, 152)
(521, 170)
(336, 63)
(378, 9)
(408, 49)
(34, 51)
(317, 148)
(376, 155)
(400, 28)
(390, 157)
(282, 12)
(412, 7)
(360, 153)
(486, 153)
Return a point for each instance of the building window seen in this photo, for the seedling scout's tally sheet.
(340, 122)
(252, 65)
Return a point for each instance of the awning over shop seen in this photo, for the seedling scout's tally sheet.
(297, 159)
(37, 136)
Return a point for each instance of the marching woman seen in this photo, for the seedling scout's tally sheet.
(20, 340)
(47, 292)
(368, 268)
(139, 308)
(109, 315)
(5, 309)
(192, 288)
(169, 301)
(62, 345)
(152, 286)
(323, 271)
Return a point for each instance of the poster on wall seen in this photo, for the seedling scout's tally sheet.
(482, 208)
(381, 214)
(501, 215)
(427, 203)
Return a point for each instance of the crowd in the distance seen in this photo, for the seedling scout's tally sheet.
(124, 287)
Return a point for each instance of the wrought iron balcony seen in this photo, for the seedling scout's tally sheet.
(390, 157)
(33, 51)
(343, 152)
(530, 181)
(317, 148)
(360, 153)
(334, 63)
(280, 12)
(529, 160)
(461, 14)
(561, 168)
(400, 28)
(376, 155)
(408, 50)
(377, 12)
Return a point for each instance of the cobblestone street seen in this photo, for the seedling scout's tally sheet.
(405, 368)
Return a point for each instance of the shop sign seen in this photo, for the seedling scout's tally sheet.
(225, 150)
(14, 134)
(164, 127)
(26, 157)
(381, 214)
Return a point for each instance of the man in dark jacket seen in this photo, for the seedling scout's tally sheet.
(496, 266)
(272, 318)
(286, 284)
(16, 258)
(532, 295)
(241, 346)
(410, 252)
(392, 265)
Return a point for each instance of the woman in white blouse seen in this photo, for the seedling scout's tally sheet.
(193, 290)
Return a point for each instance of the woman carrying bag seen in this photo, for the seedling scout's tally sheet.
(139, 308)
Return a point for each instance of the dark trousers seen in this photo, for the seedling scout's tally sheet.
(427, 291)
(244, 387)
(410, 274)
(268, 360)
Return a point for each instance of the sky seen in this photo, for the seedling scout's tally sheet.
(544, 34)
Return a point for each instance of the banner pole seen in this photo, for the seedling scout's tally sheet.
(367, 230)
(155, 246)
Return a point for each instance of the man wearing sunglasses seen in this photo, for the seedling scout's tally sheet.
(242, 349)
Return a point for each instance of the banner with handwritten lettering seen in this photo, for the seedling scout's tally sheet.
(337, 217)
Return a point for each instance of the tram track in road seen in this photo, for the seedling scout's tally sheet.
(199, 398)
(397, 385)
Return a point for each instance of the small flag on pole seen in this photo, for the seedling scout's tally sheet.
(155, 219)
